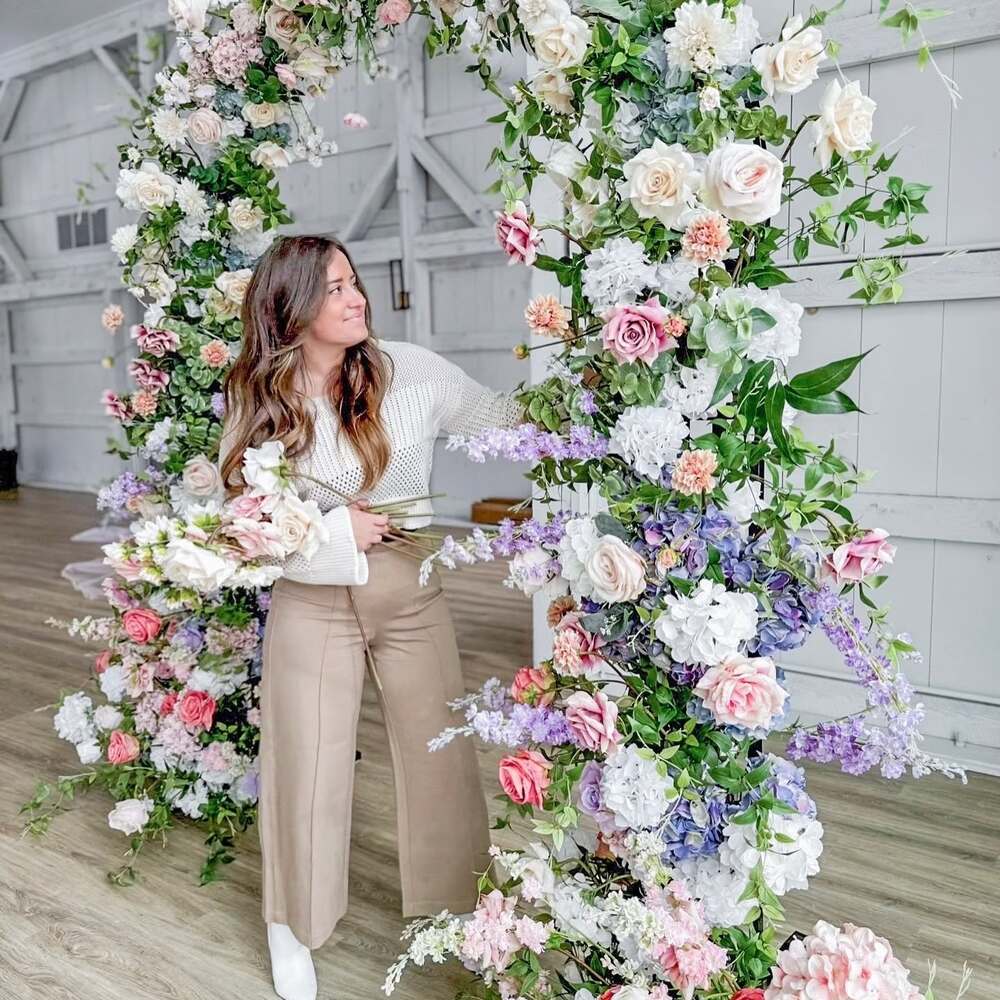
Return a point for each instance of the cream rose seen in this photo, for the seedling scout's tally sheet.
(147, 188)
(244, 215)
(660, 181)
(271, 155)
(845, 122)
(300, 525)
(552, 87)
(200, 478)
(260, 115)
(789, 66)
(560, 41)
(617, 573)
(192, 565)
(283, 26)
(311, 64)
(743, 182)
(531, 12)
(233, 284)
(205, 127)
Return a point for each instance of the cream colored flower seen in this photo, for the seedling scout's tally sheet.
(660, 181)
(617, 573)
(205, 127)
(311, 64)
(561, 41)
(147, 188)
(283, 26)
(300, 525)
(552, 88)
(270, 154)
(845, 122)
(262, 115)
(743, 182)
(201, 478)
(789, 66)
(244, 215)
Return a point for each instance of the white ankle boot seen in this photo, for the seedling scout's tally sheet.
(291, 964)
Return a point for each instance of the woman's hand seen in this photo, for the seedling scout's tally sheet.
(368, 528)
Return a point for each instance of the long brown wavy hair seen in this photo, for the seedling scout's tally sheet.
(264, 398)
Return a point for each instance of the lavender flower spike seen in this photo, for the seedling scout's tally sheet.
(528, 443)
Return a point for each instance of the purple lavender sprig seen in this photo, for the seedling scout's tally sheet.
(528, 443)
(853, 740)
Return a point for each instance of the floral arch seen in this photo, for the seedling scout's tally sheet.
(666, 835)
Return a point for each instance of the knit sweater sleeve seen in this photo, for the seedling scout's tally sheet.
(337, 561)
(465, 406)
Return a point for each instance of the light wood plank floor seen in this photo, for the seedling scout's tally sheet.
(917, 861)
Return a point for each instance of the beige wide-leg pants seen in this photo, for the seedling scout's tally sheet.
(314, 669)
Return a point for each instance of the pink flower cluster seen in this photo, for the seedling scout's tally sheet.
(495, 934)
(574, 649)
(842, 963)
(517, 237)
(853, 561)
(148, 377)
(640, 332)
(547, 317)
(593, 719)
(706, 239)
(230, 55)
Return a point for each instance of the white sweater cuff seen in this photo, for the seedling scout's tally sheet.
(338, 561)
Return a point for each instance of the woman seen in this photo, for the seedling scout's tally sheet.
(360, 415)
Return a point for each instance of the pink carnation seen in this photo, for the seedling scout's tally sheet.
(354, 120)
(123, 748)
(112, 317)
(144, 403)
(638, 332)
(742, 692)
(860, 558)
(839, 964)
(517, 236)
(593, 719)
(148, 376)
(215, 354)
(574, 649)
(706, 238)
(524, 776)
(393, 12)
(155, 342)
(693, 472)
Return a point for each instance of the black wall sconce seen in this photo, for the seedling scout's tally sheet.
(400, 296)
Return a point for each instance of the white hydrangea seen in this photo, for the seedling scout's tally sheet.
(689, 390)
(616, 273)
(742, 501)
(89, 752)
(192, 801)
(253, 242)
(649, 437)
(578, 541)
(107, 717)
(577, 918)
(169, 127)
(114, 683)
(192, 201)
(673, 279)
(634, 790)
(703, 39)
(709, 625)
(718, 888)
(214, 683)
(781, 342)
(785, 865)
(74, 720)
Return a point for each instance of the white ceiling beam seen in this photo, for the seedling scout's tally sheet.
(10, 99)
(376, 193)
(116, 73)
(11, 252)
(471, 204)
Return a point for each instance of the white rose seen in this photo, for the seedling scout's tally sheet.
(789, 66)
(551, 87)
(565, 163)
(560, 41)
(743, 182)
(709, 99)
(660, 181)
(283, 26)
(260, 115)
(271, 155)
(531, 12)
(300, 525)
(201, 478)
(233, 284)
(244, 215)
(845, 122)
(311, 63)
(145, 188)
(189, 15)
(189, 564)
(264, 469)
(205, 127)
(124, 239)
(89, 752)
(616, 571)
(130, 815)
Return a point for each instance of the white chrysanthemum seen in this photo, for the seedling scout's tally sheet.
(673, 279)
(192, 201)
(689, 390)
(785, 865)
(74, 720)
(124, 239)
(114, 683)
(703, 39)
(649, 437)
(634, 790)
(616, 273)
(107, 717)
(169, 128)
(781, 341)
(176, 87)
(718, 888)
(709, 625)
(578, 542)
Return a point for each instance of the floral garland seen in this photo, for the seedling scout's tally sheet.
(666, 835)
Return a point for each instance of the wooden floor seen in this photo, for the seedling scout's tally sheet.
(916, 861)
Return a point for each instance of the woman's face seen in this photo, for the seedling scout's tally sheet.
(341, 318)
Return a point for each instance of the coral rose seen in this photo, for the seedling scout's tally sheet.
(123, 748)
(141, 625)
(196, 709)
(524, 776)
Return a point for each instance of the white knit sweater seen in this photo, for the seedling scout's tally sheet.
(427, 394)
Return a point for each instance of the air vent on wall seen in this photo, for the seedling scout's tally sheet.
(82, 229)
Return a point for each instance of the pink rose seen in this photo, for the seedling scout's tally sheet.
(354, 120)
(141, 625)
(574, 649)
(102, 661)
(168, 704)
(534, 686)
(257, 539)
(748, 993)
(592, 718)
(639, 332)
(742, 692)
(247, 507)
(196, 709)
(517, 236)
(865, 556)
(524, 776)
(123, 748)
(155, 342)
(392, 12)
(285, 74)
